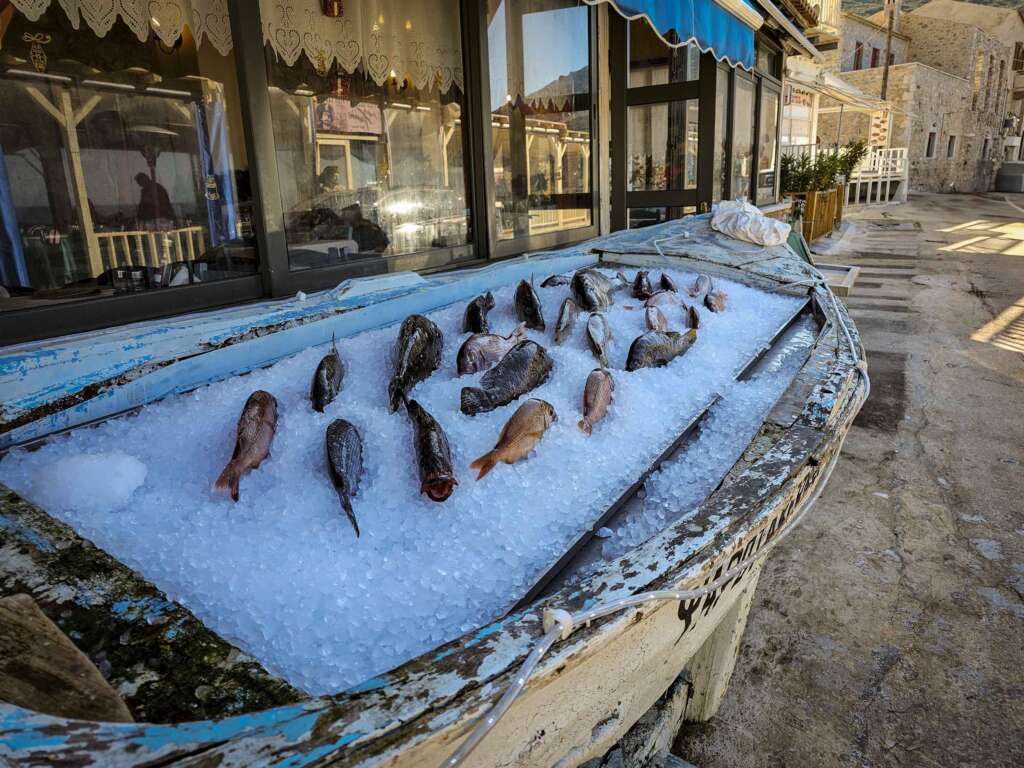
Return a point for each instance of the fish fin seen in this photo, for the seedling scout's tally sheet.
(485, 463)
(228, 480)
(395, 396)
(603, 359)
(585, 426)
(474, 400)
(346, 504)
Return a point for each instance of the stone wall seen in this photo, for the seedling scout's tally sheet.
(856, 29)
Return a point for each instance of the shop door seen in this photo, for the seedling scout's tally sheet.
(662, 109)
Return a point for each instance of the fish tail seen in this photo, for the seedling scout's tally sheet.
(228, 480)
(346, 504)
(585, 426)
(474, 400)
(485, 463)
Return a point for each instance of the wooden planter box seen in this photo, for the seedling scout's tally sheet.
(823, 211)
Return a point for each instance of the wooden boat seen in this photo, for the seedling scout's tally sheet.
(201, 702)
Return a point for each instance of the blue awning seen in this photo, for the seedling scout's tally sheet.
(723, 28)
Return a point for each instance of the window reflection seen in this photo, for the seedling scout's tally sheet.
(767, 149)
(645, 217)
(122, 167)
(652, 62)
(539, 53)
(720, 180)
(371, 162)
(663, 146)
(742, 139)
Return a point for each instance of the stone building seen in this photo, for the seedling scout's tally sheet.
(949, 87)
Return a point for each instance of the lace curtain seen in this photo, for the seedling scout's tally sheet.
(418, 40)
(208, 19)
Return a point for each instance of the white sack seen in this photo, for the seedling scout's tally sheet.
(743, 221)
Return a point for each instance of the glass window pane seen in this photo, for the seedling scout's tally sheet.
(742, 139)
(645, 217)
(663, 146)
(370, 160)
(767, 149)
(652, 62)
(539, 54)
(122, 163)
(720, 178)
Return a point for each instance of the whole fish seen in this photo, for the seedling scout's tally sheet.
(599, 336)
(566, 320)
(433, 454)
(528, 306)
(327, 379)
(554, 280)
(526, 366)
(256, 427)
(657, 348)
(593, 291)
(692, 318)
(417, 354)
(345, 463)
(701, 286)
(715, 301)
(597, 396)
(519, 435)
(655, 319)
(475, 318)
(663, 299)
(667, 283)
(642, 285)
(482, 350)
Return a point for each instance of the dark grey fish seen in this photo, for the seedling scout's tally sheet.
(667, 283)
(417, 354)
(528, 306)
(345, 463)
(593, 291)
(657, 348)
(715, 301)
(567, 315)
(253, 436)
(475, 318)
(599, 336)
(327, 379)
(433, 454)
(701, 286)
(692, 317)
(642, 285)
(554, 280)
(525, 367)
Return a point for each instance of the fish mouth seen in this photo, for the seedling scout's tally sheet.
(440, 488)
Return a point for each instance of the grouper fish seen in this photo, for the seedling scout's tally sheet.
(417, 354)
(482, 350)
(519, 435)
(345, 463)
(433, 454)
(657, 348)
(475, 318)
(528, 308)
(593, 291)
(256, 427)
(526, 366)
(327, 379)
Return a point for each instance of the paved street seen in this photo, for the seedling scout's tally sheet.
(889, 629)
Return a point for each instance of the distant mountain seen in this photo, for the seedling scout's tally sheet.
(868, 7)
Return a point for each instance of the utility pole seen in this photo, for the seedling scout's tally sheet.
(891, 6)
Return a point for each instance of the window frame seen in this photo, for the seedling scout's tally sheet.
(951, 147)
(931, 144)
(858, 55)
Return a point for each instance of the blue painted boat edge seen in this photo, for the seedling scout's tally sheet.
(217, 357)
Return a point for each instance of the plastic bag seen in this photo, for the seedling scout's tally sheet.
(743, 221)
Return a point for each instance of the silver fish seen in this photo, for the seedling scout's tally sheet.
(593, 291)
(327, 379)
(482, 350)
(657, 348)
(701, 286)
(597, 396)
(715, 301)
(663, 299)
(528, 308)
(554, 280)
(345, 463)
(566, 320)
(655, 319)
(525, 367)
(255, 433)
(417, 354)
(599, 336)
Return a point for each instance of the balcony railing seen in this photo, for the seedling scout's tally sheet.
(880, 177)
(829, 14)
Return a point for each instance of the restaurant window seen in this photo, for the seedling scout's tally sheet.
(659, 214)
(652, 62)
(663, 146)
(742, 138)
(768, 58)
(369, 136)
(720, 179)
(767, 146)
(122, 163)
(539, 54)
(797, 115)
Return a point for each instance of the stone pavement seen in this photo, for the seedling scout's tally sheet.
(889, 629)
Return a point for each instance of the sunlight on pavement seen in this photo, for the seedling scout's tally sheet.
(1007, 239)
(1005, 331)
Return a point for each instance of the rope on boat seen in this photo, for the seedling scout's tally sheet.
(559, 624)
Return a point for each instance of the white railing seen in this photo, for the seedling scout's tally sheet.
(150, 248)
(881, 177)
(882, 162)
